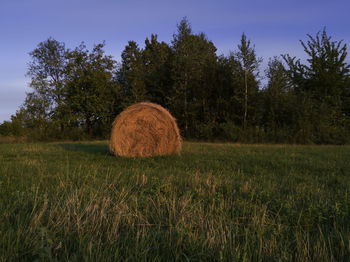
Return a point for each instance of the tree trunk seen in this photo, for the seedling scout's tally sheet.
(245, 100)
(185, 106)
(89, 127)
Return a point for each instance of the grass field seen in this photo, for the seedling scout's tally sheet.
(214, 202)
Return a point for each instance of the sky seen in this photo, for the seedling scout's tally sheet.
(273, 26)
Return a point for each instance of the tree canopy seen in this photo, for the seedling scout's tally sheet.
(76, 93)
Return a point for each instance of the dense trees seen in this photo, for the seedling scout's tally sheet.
(91, 92)
(193, 75)
(322, 89)
(280, 107)
(74, 92)
(77, 93)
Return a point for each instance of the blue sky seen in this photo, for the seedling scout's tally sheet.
(274, 26)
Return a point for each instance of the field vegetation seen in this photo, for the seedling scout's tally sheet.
(214, 202)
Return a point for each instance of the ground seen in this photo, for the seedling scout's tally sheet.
(214, 202)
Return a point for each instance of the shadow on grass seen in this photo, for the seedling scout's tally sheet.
(94, 149)
(102, 149)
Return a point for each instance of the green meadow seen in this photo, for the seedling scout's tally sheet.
(214, 202)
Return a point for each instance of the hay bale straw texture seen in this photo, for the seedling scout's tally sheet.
(145, 129)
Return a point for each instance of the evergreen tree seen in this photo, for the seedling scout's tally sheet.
(193, 73)
(181, 71)
(157, 70)
(131, 75)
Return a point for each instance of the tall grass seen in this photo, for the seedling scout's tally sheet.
(75, 201)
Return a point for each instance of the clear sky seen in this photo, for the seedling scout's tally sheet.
(274, 26)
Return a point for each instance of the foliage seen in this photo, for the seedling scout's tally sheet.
(77, 93)
(248, 65)
(74, 93)
(193, 73)
(91, 93)
(322, 87)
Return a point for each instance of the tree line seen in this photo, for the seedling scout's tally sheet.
(76, 94)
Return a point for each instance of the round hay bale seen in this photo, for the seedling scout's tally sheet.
(145, 129)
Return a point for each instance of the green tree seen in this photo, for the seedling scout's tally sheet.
(157, 60)
(91, 92)
(279, 106)
(15, 127)
(322, 86)
(249, 62)
(6, 128)
(47, 74)
(193, 73)
(131, 75)
(181, 70)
